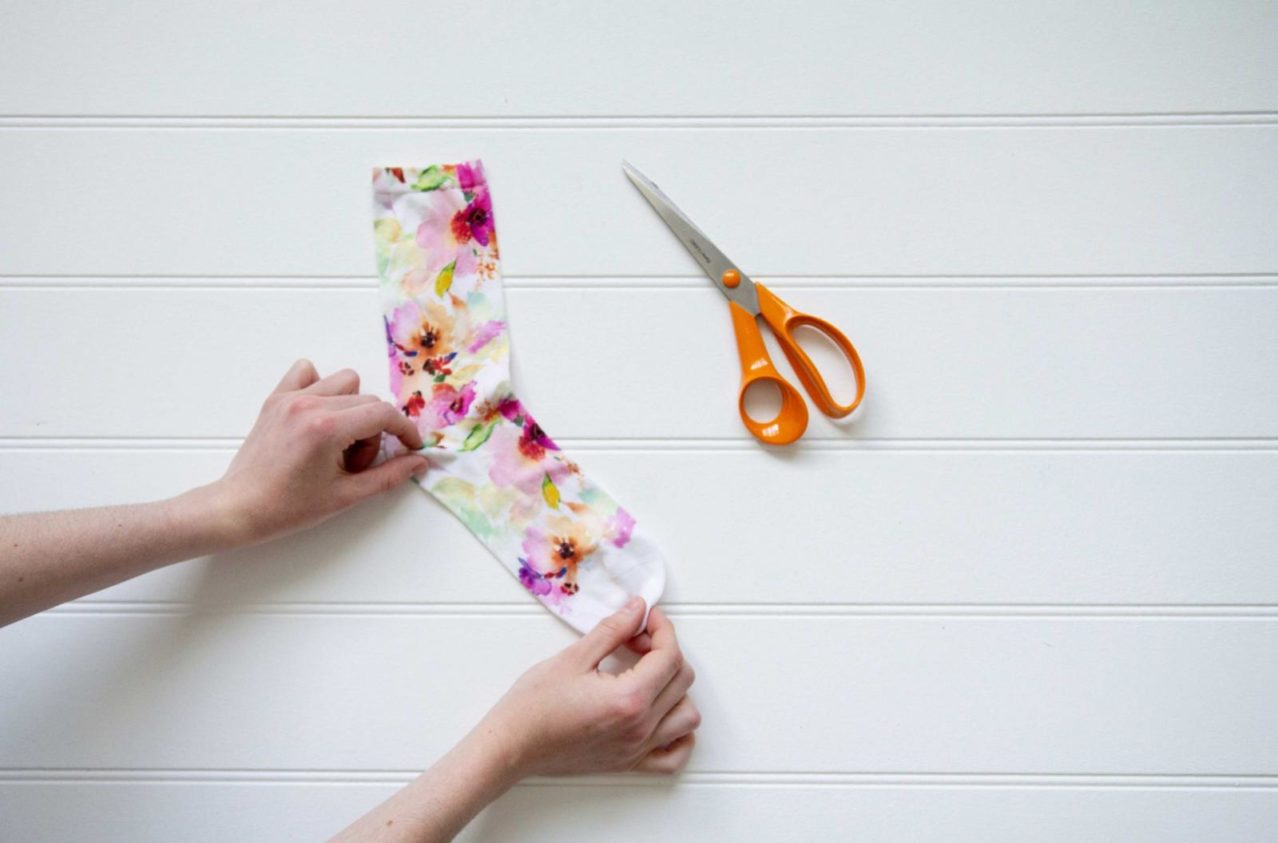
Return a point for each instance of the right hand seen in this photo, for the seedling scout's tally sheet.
(565, 717)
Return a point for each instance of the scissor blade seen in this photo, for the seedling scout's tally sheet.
(712, 261)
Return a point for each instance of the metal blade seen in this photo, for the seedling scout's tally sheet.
(712, 261)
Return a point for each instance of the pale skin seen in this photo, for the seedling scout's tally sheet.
(308, 457)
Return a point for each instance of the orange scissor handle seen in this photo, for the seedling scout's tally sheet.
(756, 366)
(783, 319)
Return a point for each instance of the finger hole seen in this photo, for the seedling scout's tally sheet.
(828, 358)
(762, 401)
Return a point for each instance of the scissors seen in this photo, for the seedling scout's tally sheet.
(748, 300)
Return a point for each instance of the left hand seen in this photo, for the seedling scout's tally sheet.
(308, 456)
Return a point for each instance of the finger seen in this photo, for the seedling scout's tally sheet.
(389, 475)
(682, 720)
(658, 666)
(345, 402)
(369, 420)
(668, 760)
(609, 634)
(299, 376)
(675, 691)
(341, 382)
(640, 644)
(333, 403)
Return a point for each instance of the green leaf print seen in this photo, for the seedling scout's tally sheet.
(478, 435)
(431, 178)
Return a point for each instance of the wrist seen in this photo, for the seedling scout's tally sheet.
(209, 515)
(498, 753)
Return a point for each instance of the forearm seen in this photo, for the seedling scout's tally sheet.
(50, 557)
(441, 801)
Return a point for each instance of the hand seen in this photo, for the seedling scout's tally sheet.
(566, 717)
(308, 456)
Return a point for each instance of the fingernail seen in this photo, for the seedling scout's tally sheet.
(422, 467)
(633, 603)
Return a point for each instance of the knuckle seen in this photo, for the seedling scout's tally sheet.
(635, 734)
(694, 719)
(296, 405)
(677, 660)
(320, 426)
(628, 707)
(692, 674)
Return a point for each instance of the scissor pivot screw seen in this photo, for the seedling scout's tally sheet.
(731, 278)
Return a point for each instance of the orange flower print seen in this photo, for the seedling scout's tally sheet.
(558, 549)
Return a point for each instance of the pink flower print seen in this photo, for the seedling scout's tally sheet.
(514, 465)
(467, 265)
(402, 324)
(619, 527)
(435, 234)
(510, 408)
(475, 220)
(485, 334)
(470, 176)
(534, 442)
(447, 406)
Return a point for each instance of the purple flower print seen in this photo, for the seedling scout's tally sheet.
(533, 581)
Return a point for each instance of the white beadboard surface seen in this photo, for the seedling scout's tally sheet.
(1030, 591)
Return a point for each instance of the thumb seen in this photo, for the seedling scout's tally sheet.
(386, 476)
(611, 632)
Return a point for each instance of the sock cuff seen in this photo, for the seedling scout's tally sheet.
(463, 175)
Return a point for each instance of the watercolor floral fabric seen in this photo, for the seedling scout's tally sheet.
(448, 345)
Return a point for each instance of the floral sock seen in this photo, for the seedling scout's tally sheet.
(568, 541)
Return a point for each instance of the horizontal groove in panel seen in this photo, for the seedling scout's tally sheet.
(739, 444)
(672, 122)
(832, 59)
(703, 778)
(1162, 527)
(939, 201)
(918, 696)
(1079, 611)
(1045, 281)
(994, 365)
